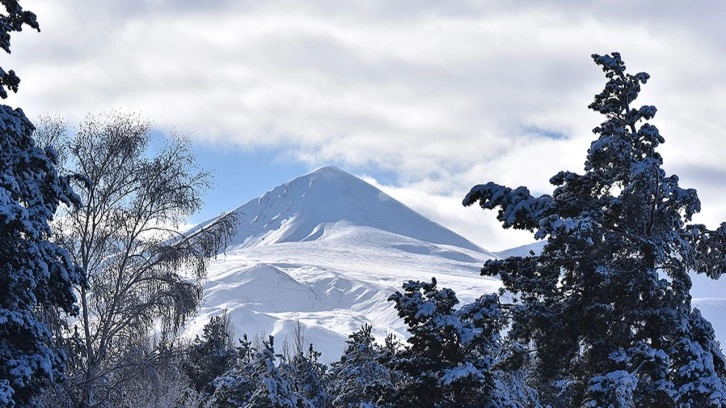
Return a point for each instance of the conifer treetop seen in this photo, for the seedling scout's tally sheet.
(622, 168)
(13, 21)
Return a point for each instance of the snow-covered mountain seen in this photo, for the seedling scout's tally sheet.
(327, 249)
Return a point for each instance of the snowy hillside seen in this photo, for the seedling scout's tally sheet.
(327, 249)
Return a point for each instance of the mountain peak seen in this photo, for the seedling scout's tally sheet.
(301, 210)
(330, 169)
(328, 177)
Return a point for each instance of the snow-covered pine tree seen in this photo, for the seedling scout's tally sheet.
(359, 378)
(35, 274)
(209, 356)
(273, 389)
(14, 20)
(606, 304)
(450, 360)
(234, 388)
(261, 378)
(308, 376)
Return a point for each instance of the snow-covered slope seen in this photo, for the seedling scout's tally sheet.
(326, 250)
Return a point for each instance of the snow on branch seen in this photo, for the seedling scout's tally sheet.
(517, 208)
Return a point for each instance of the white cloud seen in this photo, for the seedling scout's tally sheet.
(479, 226)
(443, 94)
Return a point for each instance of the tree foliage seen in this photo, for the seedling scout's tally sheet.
(209, 356)
(453, 355)
(263, 378)
(607, 304)
(12, 21)
(362, 376)
(309, 377)
(36, 275)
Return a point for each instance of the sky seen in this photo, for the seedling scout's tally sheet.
(424, 99)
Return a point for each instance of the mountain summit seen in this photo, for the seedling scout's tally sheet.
(303, 208)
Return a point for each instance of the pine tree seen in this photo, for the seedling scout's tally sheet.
(209, 356)
(261, 378)
(607, 304)
(36, 276)
(234, 387)
(273, 388)
(14, 20)
(359, 378)
(451, 358)
(308, 376)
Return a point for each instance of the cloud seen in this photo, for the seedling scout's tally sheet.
(443, 94)
(478, 226)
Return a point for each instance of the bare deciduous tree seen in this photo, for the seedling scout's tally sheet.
(143, 274)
